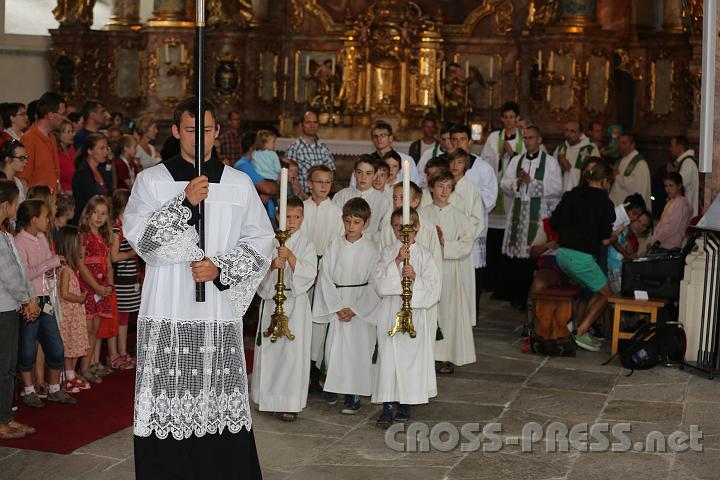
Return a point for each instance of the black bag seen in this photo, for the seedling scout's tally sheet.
(559, 347)
(655, 343)
(659, 276)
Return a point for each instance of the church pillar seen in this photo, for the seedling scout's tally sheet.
(170, 13)
(124, 14)
(672, 16)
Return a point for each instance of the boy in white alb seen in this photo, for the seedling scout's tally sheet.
(364, 172)
(457, 299)
(403, 362)
(282, 368)
(345, 299)
(322, 225)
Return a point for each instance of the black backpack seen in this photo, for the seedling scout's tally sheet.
(654, 343)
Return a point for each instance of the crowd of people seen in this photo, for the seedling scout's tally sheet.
(512, 220)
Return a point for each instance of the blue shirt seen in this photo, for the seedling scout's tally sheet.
(246, 167)
(615, 258)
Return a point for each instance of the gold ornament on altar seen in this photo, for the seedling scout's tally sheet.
(390, 60)
(278, 320)
(542, 13)
(224, 13)
(74, 12)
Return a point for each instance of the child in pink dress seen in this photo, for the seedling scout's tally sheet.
(73, 327)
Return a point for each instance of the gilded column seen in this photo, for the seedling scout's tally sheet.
(169, 13)
(124, 14)
(672, 16)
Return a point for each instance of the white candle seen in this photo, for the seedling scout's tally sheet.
(285, 69)
(539, 60)
(167, 53)
(200, 11)
(307, 66)
(406, 193)
(443, 70)
(283, 198)
(333, 66)
(551, 62)
(182, 53)
(492, 67)
(467, 69)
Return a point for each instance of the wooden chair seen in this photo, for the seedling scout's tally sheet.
(553, 308)
(629, 304)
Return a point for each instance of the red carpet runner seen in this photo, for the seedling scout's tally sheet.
(100, 411)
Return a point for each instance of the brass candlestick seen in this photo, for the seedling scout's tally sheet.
(403, 319)
(278, 320)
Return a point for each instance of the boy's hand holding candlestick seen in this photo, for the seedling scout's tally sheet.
(197, 190)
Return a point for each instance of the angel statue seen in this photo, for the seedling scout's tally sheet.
(228, 13)
(74, 12)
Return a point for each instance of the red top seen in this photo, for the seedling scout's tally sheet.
(124, 170)
(67, 168)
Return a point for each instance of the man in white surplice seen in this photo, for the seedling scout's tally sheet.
(573, 153)
(192, 413)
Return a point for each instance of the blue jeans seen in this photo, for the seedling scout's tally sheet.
(45, 330)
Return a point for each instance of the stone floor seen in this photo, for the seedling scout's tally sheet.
(504, 386)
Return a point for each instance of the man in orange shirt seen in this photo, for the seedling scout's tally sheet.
(43, 167)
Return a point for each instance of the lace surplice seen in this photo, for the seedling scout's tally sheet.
(191, 376)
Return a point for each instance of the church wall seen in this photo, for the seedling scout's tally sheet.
(27, 74)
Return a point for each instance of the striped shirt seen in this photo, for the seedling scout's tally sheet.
(127, 281)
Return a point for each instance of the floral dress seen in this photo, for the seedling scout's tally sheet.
(97, 251)
(73, 328)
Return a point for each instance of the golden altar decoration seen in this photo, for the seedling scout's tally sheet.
(390, 64)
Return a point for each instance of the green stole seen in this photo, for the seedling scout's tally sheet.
(631, 166)
(584, 153)
(500, 204)
(535, 204)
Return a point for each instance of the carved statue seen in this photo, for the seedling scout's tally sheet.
(542, 13)
(229, 13)
(74, 12)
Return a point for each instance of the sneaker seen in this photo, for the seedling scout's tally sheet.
(33, 401)
(331, 398)
(386, 417)
(584, 342)
(70, 387)
(61, 397)
(351, 405)
(403, 413)
(594, 339)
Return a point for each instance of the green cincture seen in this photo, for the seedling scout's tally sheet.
(631, 166)
(535, 204)
(499, 203)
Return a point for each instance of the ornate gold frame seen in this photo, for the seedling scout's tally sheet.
(54, 56)
(652, 85)
(153, 72)
(597, 52)
(217, 97)
(259, 74)
(128, 44)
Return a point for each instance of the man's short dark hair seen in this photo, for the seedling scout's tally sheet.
(510, 106)
(429, 118)
(536, 128)
(458, 154)
(74, 117)
(382, 125)
(49, 103)
(231, 113)
(394, 155)
(9, 110)
(679, 139)
(89, 107)
(461, 128)
(446, 128)
(356, 207)
(247, 142)
(629, 136)
(369, 159)
(384, 166)
(436, 162)
(187, 105)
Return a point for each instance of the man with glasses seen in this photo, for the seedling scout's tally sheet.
(573, 153)
(533, 182)
(308, 151)
(381, 134)
(43, 167)
(15, 119)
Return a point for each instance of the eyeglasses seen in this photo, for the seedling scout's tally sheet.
(21, 157)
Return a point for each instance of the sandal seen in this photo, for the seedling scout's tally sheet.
(446, 368)
(129, 360)
(90, 377)
(118, 363)
(9, 433)
(21, 427)
(288, 416)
